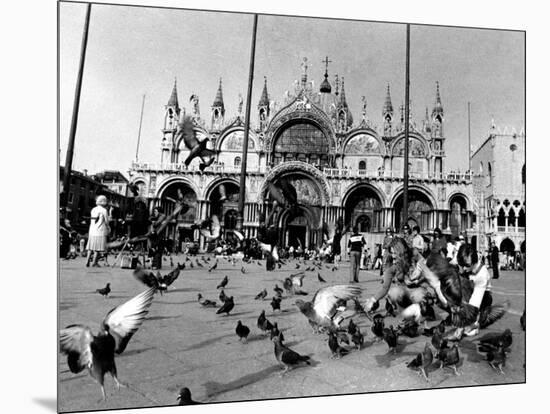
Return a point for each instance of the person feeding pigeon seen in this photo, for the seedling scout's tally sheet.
(469, 262)
(400, 293)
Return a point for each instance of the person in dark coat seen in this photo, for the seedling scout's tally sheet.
(439, 244)
(495, 260)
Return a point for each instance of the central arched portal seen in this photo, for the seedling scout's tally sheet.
(301, 227)
(179, 229)
(420, 209)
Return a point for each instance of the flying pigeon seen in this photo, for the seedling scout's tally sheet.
(97, 352)
(323, 311)
(196, 148)
(157, 281)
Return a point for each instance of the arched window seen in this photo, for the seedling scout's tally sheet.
(237, 162)
(481, 168)
(501, 218)
(523, 174)
(489, 175)
(362, 165)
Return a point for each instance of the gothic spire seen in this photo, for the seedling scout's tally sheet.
(388, 108)
(438, 107)
(343, 101)
(173, 101)
(264, 99)
(218, 101)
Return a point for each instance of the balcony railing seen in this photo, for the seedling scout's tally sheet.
(177, 167)
(510, 229)
(343, 172)
(329, 172)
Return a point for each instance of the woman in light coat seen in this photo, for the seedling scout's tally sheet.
(99, 230)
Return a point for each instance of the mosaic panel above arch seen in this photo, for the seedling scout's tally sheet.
(362, 144)
(234, 142)
(416, 148)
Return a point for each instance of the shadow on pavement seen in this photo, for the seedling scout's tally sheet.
(214, 388)
(208, 342)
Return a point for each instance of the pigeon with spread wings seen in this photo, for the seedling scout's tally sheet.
(323, 310)
(157, 281)
(210, 228)
(196, 148)
(97, 352)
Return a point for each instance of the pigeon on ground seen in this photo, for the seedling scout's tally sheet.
(438, 340)
(196, 148)
(390, 309)
(377, 327)
(358, 339)
(242, 331)
(181, 266)
(213, 267)
(171, 262)
(227, 306)
(222, 296)
(262, 295)
(263, 323)
(496, 356)
(494, 339)
(243, 270)
(335, 348)
(390, 336)
(287, 356)
(275, 332)
(97, 352)
(104, 291)
(352, 327)
(320, 278)
(207, 303)
(449, 357)
(157, 281)
(199, 264)
(422, 361)
(323, 311)
(223, 283)
(184, 397)
(276, 303)
(278, 290)
(409, 328)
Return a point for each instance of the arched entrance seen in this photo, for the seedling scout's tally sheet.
(179, 231)
(458, 219)
(299, 229)
(224, 199)
(420, 210)
(363, 208)
(507, 246)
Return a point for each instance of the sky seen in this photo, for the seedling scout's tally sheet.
(134, 51)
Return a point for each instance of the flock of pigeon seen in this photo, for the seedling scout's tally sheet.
(326, 312)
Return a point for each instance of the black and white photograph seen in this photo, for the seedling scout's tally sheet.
(283, 206)
(257, 206)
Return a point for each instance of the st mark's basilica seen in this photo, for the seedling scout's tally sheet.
(342, 165)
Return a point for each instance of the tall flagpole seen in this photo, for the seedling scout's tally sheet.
(469, 142)
(76, 105)
(406, 169)
(242, 188)
(139, 130)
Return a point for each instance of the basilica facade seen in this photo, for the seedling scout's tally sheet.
(342, 165)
